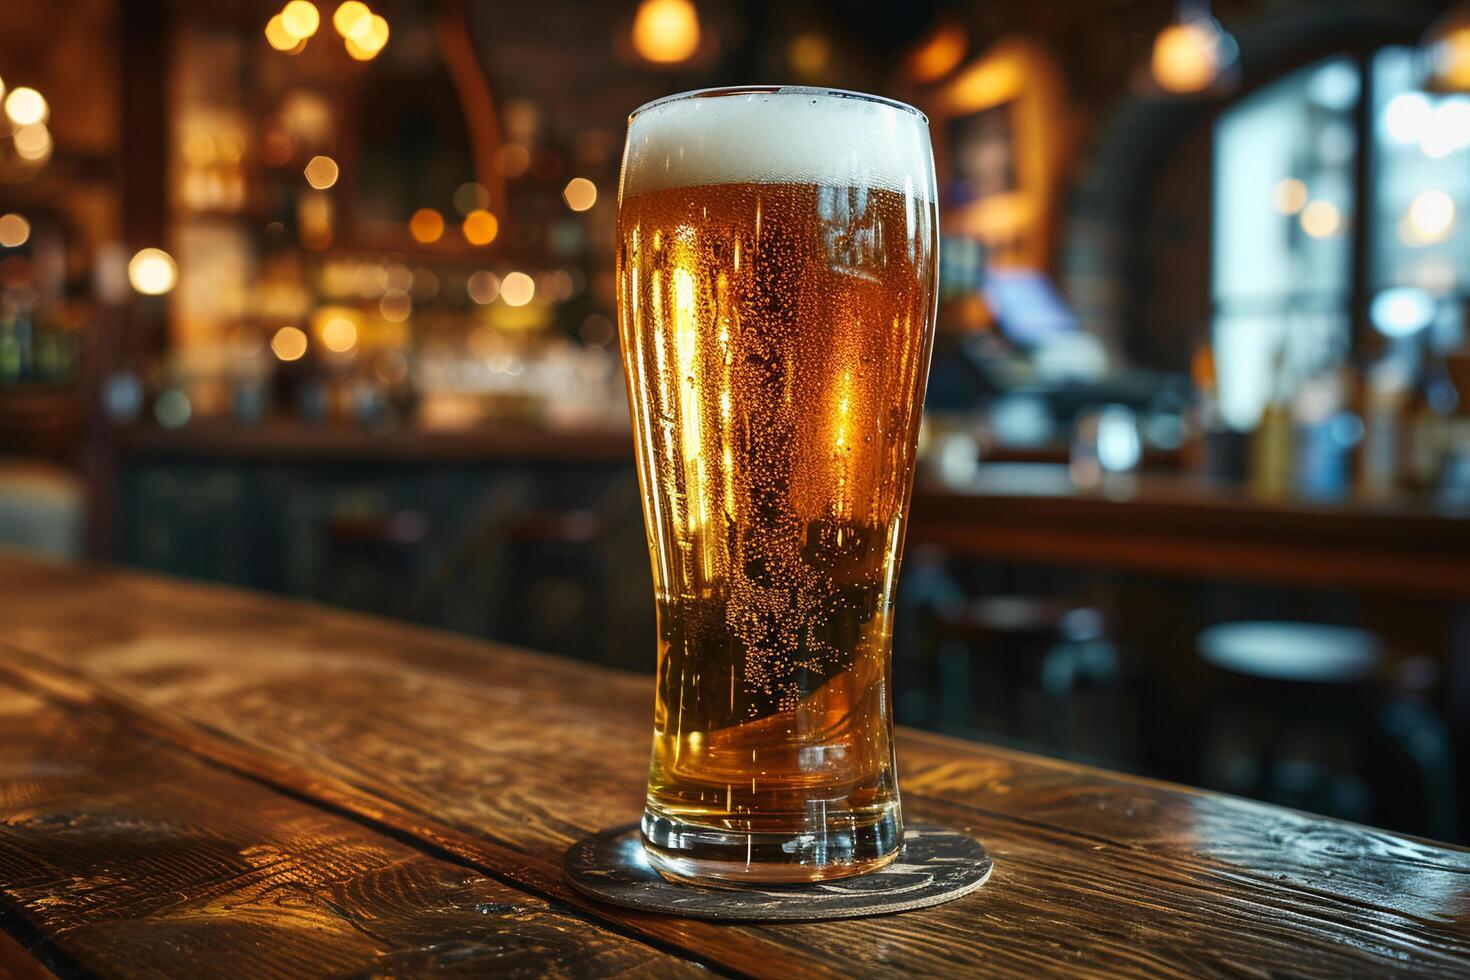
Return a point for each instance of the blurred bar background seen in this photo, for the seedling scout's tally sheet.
(318, 299)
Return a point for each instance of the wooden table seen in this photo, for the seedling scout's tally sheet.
(200, 782)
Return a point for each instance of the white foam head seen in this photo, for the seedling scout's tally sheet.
(788, 135)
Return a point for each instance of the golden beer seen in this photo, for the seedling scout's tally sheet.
(776, 302)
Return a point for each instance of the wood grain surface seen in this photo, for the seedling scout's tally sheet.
(492, 761)
(130, 857)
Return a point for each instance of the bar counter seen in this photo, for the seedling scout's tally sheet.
(199, 781)
(1406, 545)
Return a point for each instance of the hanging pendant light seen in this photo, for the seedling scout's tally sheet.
(1446, 51)
(1194, 55)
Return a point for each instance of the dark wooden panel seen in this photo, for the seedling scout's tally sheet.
(504, 758)
(130, 857)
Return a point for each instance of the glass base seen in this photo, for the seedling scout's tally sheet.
(698, 855)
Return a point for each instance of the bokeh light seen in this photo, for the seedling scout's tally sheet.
(1401, 311)
(1406, 116)
(1186, 57)
(580, 194)
(368, 36)
(940, 54)
(1449, 60)
(33, 142)
(666, 32)
(278, 37)
(289, 343)
(321, 172)
(426, 226)
(1321, 219)
(517, 289)
(809, 54)
(483, 287)
(395, 306)
(172, 409)
(1430, 217)
(339, 335)
(14, 230)
(480, 227)
(1290, 195)
(300, 18)
(152, 272)
(347, 16)
(25, 106)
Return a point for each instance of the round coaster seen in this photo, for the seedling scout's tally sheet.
(937, 865)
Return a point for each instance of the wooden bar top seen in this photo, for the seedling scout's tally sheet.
(1405, 544)
(202, 782)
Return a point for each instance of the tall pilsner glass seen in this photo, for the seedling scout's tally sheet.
(776, 291)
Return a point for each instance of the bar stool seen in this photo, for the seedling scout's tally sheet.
(1314, 716)
(369, 560)
(1030, 656)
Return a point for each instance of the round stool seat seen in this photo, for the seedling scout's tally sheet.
(1307, 653)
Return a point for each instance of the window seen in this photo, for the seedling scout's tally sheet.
(1288, 239)
(1283, 223)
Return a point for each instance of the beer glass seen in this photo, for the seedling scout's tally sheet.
(776, 251)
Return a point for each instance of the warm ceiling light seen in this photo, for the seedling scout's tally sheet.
(289, 343)
(33, 142)
(25, 106)
(339, 335)
(152, 272)
(367, 37)
(321, 172)
(1321, 219)
(580, 194)
(517, 289)
(14, 230)
(300, 18)
(940, 54)
(1189, 56)
(426, 226)
(480, 227)
(348, 14)
(1290, 195)
(1446, 48)
(277, 35)
(666, 32)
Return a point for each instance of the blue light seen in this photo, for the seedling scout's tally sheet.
(1401, 311)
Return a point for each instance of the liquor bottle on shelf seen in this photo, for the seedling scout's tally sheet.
(1384, 396)
(1427, 424)
(1273, 442)
(1214, 451)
